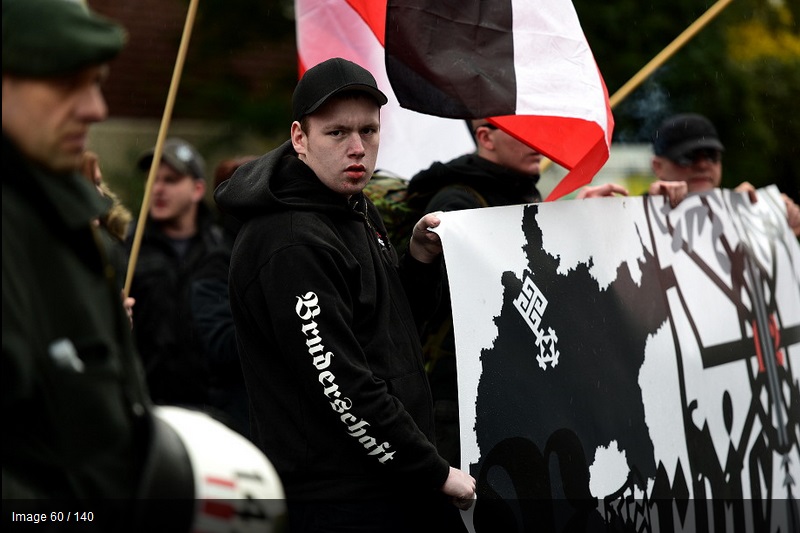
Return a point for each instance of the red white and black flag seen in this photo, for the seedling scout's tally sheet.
(354, 30)
(526, 63)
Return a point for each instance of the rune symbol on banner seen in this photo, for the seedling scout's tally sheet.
(531, 304)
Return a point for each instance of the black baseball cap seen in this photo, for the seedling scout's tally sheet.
(680, 134)
(328, 78)
(43, 38)
(178, 154)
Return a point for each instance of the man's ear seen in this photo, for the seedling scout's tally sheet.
(199, 190)
(484, 139)
(299, 139)
(656, 164)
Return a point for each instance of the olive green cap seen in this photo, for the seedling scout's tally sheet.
(43, 38)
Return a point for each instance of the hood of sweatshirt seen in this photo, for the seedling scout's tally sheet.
(277, 181)
(478, 173)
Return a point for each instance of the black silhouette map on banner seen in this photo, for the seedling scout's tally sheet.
(626, 365)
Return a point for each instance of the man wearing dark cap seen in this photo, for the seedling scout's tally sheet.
(688, 159)
(77, 419)
(326, 319)
(688, 156)
(179, 237)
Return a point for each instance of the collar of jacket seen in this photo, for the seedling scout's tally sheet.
(476, 172)
(297, 187)
(278, 181)
(66, 200)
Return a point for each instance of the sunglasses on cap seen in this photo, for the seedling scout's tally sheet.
(696, 156)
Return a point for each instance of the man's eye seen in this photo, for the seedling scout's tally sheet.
(66, 84)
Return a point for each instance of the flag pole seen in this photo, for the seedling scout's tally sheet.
(162, 133)
(660, 59)
(668, 52)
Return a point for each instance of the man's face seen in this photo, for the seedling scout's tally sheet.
(701, 170)
(48, 119)
(174, 195)
(501, 148)
(341, 144)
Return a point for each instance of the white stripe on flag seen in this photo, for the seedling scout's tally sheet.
(555, 69)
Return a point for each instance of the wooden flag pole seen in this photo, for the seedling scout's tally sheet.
(668, 52)
(660, 58)
(159, 148)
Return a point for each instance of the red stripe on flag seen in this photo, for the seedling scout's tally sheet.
(374, 14)
(571, 142)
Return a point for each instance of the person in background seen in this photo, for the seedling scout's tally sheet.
(114, 224)
(118, 218)
(211, 312)
(223, 172)
(688, 159)
(179, 237)
(502, 171)
(78, 423)
(326, 320)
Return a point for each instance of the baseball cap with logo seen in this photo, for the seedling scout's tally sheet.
(681, 134)
(43, 38)
(178, 154)
(328, 78)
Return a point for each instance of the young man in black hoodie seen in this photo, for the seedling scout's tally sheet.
(327, 320)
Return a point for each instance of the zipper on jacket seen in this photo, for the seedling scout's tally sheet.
(360, 207)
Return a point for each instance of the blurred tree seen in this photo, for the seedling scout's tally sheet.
(742, 71)
(224, 77)
(765, 51)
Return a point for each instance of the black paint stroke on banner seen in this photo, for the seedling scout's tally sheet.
(538, 430)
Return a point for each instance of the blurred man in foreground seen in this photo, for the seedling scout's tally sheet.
(77, 420)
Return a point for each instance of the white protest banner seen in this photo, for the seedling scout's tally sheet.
(622, 364)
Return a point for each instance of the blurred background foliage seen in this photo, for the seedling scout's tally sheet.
(231, 31)
(742, 71)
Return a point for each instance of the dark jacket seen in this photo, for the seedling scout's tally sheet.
(75, 409)
(211, 311)
(328, 340)
(496, 184)
(78, 423)
(174, 358)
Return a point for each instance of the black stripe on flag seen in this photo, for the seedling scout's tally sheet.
(452, 58)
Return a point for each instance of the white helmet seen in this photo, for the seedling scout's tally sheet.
(236, 488)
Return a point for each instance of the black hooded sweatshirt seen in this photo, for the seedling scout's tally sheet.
(496, 184)
(329, 344)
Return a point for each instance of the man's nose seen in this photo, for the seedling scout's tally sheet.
(92, 106)
(356, 145)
